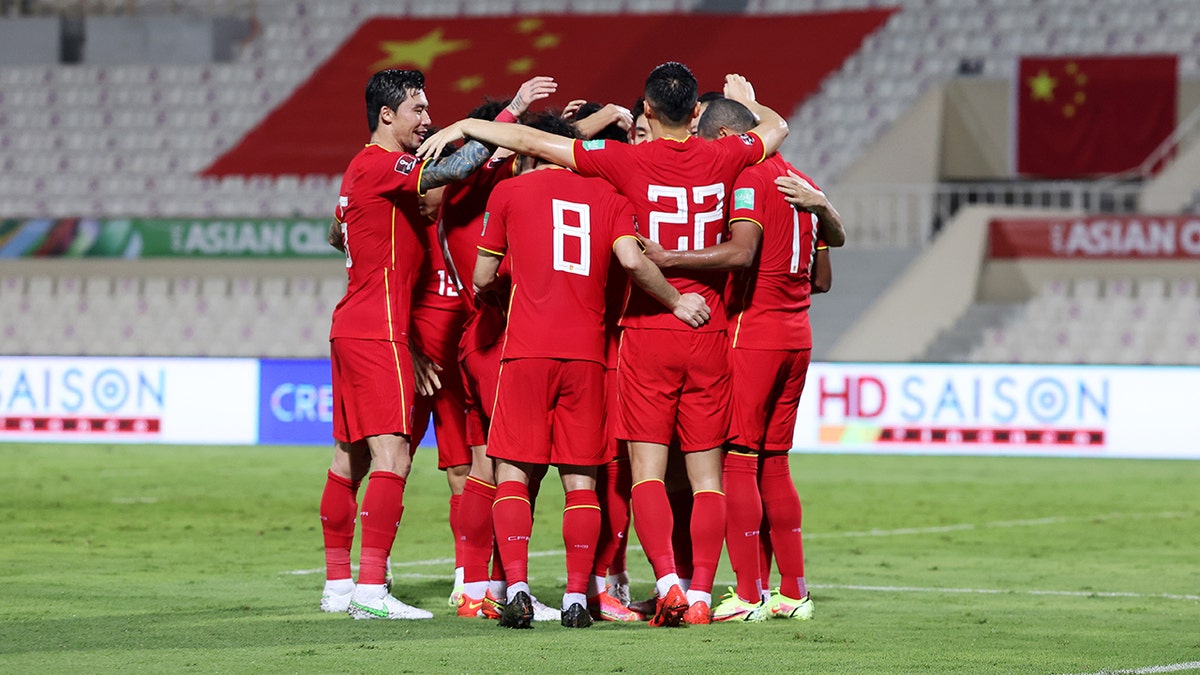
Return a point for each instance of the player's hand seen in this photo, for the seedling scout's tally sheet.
(534, 89)
(425, 373)
(799, 192)
(654, 251)
(738, 88)
(692, 309)
(571, 108)
(336, 237)
(433, 145)
(619, 115)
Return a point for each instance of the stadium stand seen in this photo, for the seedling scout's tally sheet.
(132, 140)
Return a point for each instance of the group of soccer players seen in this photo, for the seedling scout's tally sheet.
(573, 305)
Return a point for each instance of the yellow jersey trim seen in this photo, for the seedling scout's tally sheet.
(489, 251)
(748, 220)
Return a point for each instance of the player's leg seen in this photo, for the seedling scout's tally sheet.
(339, 507)
(479, 493)
(580, 530)
(679, 493)
(609, 582)
(707, 530)
(513, 517)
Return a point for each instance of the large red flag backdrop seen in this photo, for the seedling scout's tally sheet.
(601, 58)
(1080, 116)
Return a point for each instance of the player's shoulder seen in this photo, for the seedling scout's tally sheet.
(376, 157)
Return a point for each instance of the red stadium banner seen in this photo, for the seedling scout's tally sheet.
(601, 58)
(1096, 115)
(1120, 237)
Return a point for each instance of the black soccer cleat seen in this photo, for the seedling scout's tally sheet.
(576, 616)
(518, 613)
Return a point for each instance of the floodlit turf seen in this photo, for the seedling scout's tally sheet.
(185, 559)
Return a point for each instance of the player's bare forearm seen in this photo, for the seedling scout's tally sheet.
(737, 253)
(689, 308)
(822, 272)
(523, 140)
(829, 225)
(464, 162)
(486, 267)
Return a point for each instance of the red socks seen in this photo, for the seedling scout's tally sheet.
(740, 480)
(612, 489)
(475, 527)
(708, 534)
(339, 503)
(782, 505)
(513, 518)
(382, 506)
(580, 530)
(653, 521)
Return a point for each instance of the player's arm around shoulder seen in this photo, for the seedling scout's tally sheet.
(822, 271)
(772, 127)
(689, 308)
(803, 195)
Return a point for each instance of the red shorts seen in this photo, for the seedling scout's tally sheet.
(613, 448)
(768, 385)
(674, 384)
(438, 332)
(372, 388)
(480, 369)
(549, 411)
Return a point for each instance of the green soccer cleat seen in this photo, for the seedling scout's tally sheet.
(733, 608)
(781, 606)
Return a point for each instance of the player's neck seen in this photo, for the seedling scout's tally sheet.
(386, 141)
(673, 133)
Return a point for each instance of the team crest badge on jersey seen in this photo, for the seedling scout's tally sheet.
(406, 164)
(747, 139)
(743, 198)
(594, 145)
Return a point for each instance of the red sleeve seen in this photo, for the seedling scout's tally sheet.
(602, 159)
(494, 237)
(395, 172)
(625, 222)
(747, 147)
(749, 198)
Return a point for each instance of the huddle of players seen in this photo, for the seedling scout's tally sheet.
(667, 355)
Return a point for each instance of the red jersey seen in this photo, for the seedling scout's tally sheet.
(769, 303)
(556, 229)
(678, 189)
(438, 288)
(383, 233)
(463, 206)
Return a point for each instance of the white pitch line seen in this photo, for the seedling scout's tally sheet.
(1032, 522)
(1149, 670)
(999, 591)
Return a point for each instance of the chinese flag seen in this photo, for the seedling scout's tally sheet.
(1096, 115)
(602, 58)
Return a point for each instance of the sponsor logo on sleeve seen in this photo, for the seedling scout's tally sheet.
(747, 139)
(743, 198)
(594, 145)
(406, 164)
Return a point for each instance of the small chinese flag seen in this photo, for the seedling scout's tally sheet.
(1080, 116)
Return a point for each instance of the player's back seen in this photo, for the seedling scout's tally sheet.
(769, 301)
(559, 229)
(679, 189)
(384, 249)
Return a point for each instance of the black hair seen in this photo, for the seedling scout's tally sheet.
(709, 97)
(728, 113)
(551, 122)
(638, 109)
(612, 132)
(489, 108)
(390, 88)
(671, 91)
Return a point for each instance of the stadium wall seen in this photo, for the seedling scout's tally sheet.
(1074, 411)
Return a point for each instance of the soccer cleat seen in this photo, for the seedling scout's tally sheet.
(698, 614)
(383, 606)
(470, 608)
(491, 606)
(576, 616)
(543, 612)
(518, 612)
(668, 611)
(781, 606)
(645, 607)
(336, 603)
(605, 607)
(733, 608)
(455, 594)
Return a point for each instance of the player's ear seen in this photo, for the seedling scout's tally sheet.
(696, 111)
(723, 132)
(386, 115)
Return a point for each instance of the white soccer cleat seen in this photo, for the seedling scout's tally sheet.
(369, 603)
(542, 612)
(334, 602)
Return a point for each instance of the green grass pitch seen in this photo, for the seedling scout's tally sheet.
(193, 559)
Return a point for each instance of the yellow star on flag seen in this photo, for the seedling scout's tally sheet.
(520, 66)
(528, 25)
(1041, 86)
(469, 83)
(420, 52)
(547, 41)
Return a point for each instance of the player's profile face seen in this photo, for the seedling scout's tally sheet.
(411, 120)
(641, 131)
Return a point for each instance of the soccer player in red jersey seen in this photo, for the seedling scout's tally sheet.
(557, 228)
(673, 383)
(373, 375)
(771, 345)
